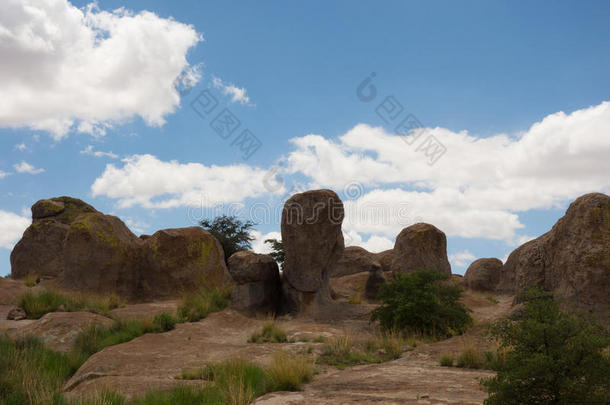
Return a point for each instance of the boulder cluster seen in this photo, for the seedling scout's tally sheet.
(71, 242)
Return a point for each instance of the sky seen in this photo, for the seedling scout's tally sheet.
(485, 119)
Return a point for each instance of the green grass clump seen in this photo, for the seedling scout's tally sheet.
(288, 372)
(446, 360)
(200, 304)
(31, 280)
(470, 358)
(36, 304)
(343, 351)
(164, 322)
(270, 333)
(30, 374)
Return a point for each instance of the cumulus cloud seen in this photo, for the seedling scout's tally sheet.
(3, 174)
(25, 167)
(12, 227)
(237, 94)
(477, 187)
(259, 245)
(21, 147)
(461, 259)
(67, 68)
(152, 183)
(89, 151)
(374, 243)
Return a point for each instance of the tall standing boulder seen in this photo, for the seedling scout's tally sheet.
(420, 246)
(354, 260)
(483, 274)
(313, 243)
(257, 282)
(572, 259)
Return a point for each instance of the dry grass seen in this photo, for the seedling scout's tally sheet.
(200, 304)
(288, 372)
(31, 280)
(38, 303)
(446, 360)
(270, 333)
(355, 299)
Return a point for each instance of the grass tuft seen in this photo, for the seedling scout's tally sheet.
(288, 372)
(200, 304)
(469, 357)
(343, 351)
(36, 304)
(446, 360)
(270, 333)
(31, 280)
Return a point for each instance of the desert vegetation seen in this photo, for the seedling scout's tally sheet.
(270, 333)
(201, 303)
(345, 351)
(38, 303)
(232, 233)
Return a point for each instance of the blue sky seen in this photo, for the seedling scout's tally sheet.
(515, 92)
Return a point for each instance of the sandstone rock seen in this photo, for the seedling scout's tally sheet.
(258, 286)
(350, 286)
(572, 259)
(313, 243)
(420, 246)
(354, 260)
(83, 249)
(385, 259)
(16, 314)
(10, 290)
(375, 280)
(483, 274)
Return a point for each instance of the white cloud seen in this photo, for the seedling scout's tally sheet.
(461, 259)
(237, 94)
(3, 174)
(373, 244)
(65, 67)
(138, 227)
(21, 147)
(25, 167)
(477, 187)
(151, 183)
(12, 227)
(259, 245)
(89, 151)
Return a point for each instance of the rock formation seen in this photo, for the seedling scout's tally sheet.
(257, 279)
(313, 243)
(84, 249)
(420, 246)
(373, 283)
(354, 260)
(483, 274)
(572, 259)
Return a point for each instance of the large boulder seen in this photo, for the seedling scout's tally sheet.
(84, 249)
(483, 274)
(354, 260)
(572, 259)
(313, 243)
(420, 246)
(373, 283)
(257, 279)
(385, 259)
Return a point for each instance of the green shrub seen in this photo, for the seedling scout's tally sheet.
(200, 304)
(446, 360)
(551, 357)
(270, 333)
(422, 303)
(232, 233)
(38, 303)
(164, 322)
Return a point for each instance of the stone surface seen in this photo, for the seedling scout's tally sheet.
(355, 260)
(257, 279)
(313, 243)
(83, 249)
(10, 290)
(483, 274)
(16, 314)
(420, 246)
(374, 281)
(385, 259)
(572, 259)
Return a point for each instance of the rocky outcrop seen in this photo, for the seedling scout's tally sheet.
(385, 259)
(420, 246)
(355, 260)
(257, 279)
(16, 314)
(572, 259)
(84, 249)
(483, 274)
(375, 280)
(313, 243)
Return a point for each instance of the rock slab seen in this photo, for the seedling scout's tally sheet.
(257, 282)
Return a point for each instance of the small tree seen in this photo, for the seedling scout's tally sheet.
(553, 357)
(277, 251)
(422, 302)
(232, 233)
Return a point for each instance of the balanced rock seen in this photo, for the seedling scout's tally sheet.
(313, 243)
(483, 274)
(257, 279)
(572, 259)
(354, 260)
(84, 249)
(420, 246)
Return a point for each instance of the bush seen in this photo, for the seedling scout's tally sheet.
(470, 358)
(277, 251)
(551, 357)
(164, 322)
(422, 303)
(446, 360)
(271, 333)
(200, 304)
(37, 304)
(232, 233)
